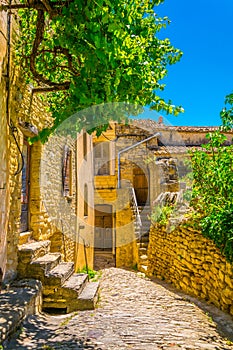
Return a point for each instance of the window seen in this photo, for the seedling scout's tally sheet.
(85, 200)
(102, 158)
(67, 172)
(84, 144)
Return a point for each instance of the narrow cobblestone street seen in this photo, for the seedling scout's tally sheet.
(133, 313)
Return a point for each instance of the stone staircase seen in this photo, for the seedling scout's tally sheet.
(143, 242)
(63, 290)
(103, 259)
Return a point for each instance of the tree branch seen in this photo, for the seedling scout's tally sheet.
(48, 89)
(40, 28)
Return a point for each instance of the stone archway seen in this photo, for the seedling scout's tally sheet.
(140, 184)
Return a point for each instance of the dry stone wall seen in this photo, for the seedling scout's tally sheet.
(192, 263)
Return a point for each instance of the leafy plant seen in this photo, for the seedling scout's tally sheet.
(213, 191)
(161, 214)
(86, 53)
(91, 273)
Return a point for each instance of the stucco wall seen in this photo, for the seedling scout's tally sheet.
(85, 178)
(192, 263)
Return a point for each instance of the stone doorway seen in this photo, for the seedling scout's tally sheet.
(140, 184)
(104, 245)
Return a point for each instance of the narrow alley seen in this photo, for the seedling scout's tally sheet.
(133, 312)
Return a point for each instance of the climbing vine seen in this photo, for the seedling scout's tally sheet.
(84, 53)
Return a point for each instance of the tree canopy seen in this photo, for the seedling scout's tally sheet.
(227, 113)
(86, 52)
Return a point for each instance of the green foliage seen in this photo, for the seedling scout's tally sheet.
(95, 52)
(161, 214)
(213, 191)
(91, 273)
(227, 114)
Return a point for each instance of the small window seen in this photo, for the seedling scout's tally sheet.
(84, 144)
(102, 158)
(85, 200)
(67, 172)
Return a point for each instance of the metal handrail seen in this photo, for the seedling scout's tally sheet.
(80, 227)
(127, 149)
(85, 255)
(135, 204)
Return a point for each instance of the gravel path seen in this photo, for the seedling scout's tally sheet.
(133, 313)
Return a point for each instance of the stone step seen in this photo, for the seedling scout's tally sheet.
(144, 214)
(59, 274)
(40, 267)
(103, 259)
(145, 211)
(31, 251)
(144, 239)
(88, 297)
(75, 284)
(24, 237)
(145, 229)
(65, 298)
(143, 268)
(142, 250)
(142, 245)
(143, 257)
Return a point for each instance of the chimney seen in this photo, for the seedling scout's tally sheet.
(160, 120)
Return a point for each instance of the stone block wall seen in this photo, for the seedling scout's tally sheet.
(23, 106)
(126, 244)
(125, 240)
(4, 161)
(192, 263)
(54, 215)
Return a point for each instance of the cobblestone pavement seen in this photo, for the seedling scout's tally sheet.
(133, 313)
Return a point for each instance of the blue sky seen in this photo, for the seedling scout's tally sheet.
(203, 30)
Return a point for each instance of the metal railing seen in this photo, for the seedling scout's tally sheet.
(134, 204)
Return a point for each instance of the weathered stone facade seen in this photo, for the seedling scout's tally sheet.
(18, 105)
(192, 263)
(4, 145)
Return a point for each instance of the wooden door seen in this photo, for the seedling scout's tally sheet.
(140, 184)
(103, 229)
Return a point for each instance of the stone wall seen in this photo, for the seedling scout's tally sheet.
(54, 215)
(192, 263)
(85, 221)
(25, 107)
(106, 193)
(163, 172)
(4, 161)
(126, 244)
(22, 107)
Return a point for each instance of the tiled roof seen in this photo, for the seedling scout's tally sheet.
(151, 125)
(166, 150)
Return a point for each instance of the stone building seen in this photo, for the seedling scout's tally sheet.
(134, 163)
(85, 199)
(46, 191)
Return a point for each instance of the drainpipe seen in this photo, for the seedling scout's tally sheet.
(127, 149)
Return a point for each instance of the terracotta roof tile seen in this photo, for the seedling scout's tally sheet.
(173, 150)
(151, 125)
